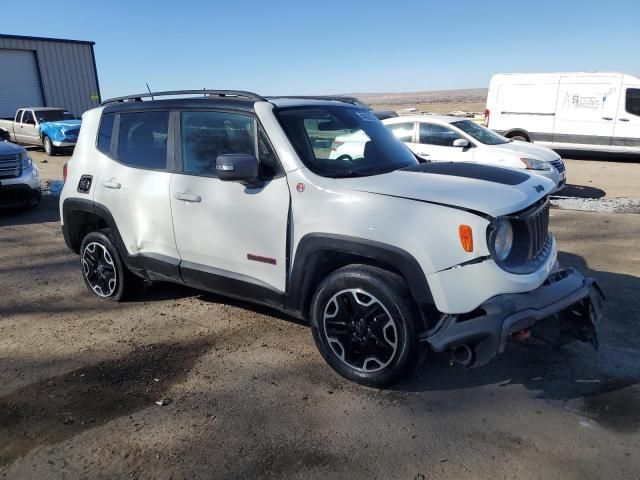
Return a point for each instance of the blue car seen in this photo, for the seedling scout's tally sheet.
(51, 128)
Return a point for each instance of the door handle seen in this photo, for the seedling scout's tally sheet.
(623, 119)
(607, 118)
(188, 197)
(111, 184)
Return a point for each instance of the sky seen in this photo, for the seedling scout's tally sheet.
(331, 47)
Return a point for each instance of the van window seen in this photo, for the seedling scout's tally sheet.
(402, 131)
(142, 139)
(105, 133)
(431, 134)
(205, 135)
(632, 105)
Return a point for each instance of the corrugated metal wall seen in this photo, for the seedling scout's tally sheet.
(67, 71)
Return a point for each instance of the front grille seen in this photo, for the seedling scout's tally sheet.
(559, 165)
(10, 166)
(538, 224)
(72, 133)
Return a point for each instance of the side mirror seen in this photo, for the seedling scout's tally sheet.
(461, 142)
(238, 167)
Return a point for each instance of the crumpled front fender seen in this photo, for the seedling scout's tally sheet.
(63, 132)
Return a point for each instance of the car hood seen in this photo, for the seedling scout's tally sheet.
(494, 191)
(527, 150)
(63, 125)
(8, 148)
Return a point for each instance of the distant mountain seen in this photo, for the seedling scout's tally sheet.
(471, 95)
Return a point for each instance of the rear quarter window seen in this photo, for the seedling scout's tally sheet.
(105, 133)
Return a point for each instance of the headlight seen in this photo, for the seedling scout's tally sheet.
(25, 159)
(501, 239)
(533, 164)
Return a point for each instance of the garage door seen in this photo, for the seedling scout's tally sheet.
(19, 81)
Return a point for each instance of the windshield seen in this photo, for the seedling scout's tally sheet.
(343, 141)
(480, 133)
(53, 115)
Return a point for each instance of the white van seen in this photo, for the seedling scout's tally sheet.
(585, 111)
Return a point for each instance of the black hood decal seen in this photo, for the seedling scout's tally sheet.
(477, 171)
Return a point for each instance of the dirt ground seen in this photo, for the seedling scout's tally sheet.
(248, 396)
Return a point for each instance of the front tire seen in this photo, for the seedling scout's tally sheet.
(48, 146)
(364, 321)
(103, 271)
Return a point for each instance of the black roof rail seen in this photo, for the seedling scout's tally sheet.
(206, 93)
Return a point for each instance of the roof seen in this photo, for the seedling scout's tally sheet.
(46, 39)
(174, 103)
(284, 102)
(42, 109)
(221, 99)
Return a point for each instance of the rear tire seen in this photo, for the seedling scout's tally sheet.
(48, 146)
(521, 138)
(364, 322)
(104, 273)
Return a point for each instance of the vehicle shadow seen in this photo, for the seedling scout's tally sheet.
(600, 378)
(46, 211)
(580, 191)
(55, 409)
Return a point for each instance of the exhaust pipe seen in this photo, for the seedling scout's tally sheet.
(462, 355)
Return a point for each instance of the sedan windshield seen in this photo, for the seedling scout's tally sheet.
(481, 134)
(343, 141)
(53, 115)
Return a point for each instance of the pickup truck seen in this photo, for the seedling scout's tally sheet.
(51, 128)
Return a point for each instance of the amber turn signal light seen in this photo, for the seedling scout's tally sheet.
(466, 237)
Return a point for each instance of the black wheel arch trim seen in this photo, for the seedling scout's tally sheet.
(309, 256)
(151, 267)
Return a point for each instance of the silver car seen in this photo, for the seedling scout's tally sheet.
(19, 177)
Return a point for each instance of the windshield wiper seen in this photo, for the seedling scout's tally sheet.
(365, 172)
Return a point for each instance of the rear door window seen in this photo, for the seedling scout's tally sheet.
(632, 104)
(142, 139)
(431, 134)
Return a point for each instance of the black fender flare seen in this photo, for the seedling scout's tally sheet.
(72, 234)
(309, 257)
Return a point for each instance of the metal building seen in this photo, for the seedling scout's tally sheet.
(49, 72)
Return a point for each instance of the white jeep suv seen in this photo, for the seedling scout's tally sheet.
(383, 255)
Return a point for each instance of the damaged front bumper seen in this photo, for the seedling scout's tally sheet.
(566, 307)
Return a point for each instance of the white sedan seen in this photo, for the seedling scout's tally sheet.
(443, 138)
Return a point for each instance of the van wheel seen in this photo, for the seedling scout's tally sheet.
(49, 148)
(363, 321)
(102, 269)
(521, 138)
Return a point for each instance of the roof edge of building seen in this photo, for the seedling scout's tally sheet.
(46, 39)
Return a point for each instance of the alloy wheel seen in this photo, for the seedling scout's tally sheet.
(99, 269)
(360, 330)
